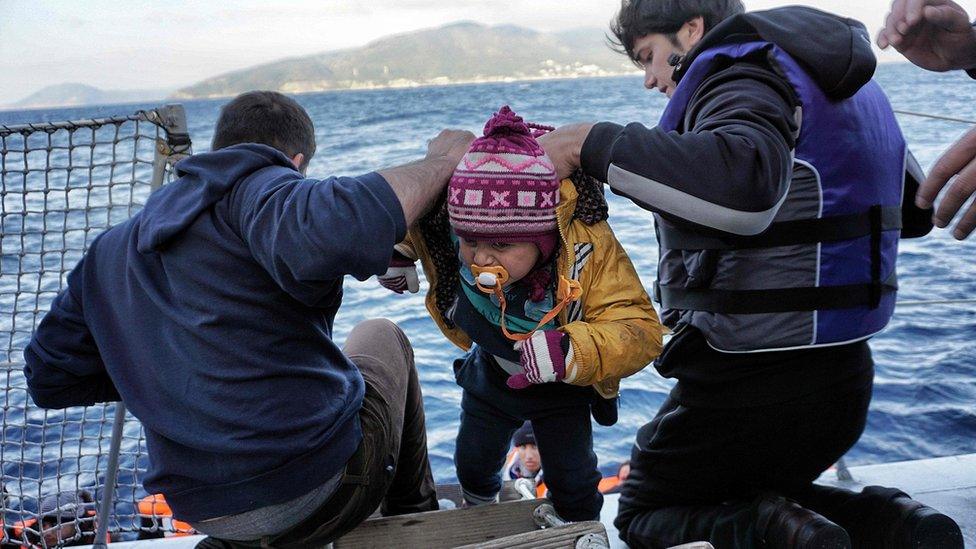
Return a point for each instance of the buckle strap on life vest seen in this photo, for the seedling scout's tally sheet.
(775, 300)
(785, 233)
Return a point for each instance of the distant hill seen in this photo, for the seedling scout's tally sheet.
(71, 95)
(456, 53)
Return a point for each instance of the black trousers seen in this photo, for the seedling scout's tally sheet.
(696, 471)
(560, 415)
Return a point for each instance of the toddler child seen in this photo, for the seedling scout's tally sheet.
(550, 308)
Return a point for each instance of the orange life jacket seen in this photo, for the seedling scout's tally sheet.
(21, 527)
(607, 484)
(19, 531)
(155, 506)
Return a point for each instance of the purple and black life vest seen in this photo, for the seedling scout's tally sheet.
(823, 273)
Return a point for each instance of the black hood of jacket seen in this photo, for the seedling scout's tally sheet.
(835, 50)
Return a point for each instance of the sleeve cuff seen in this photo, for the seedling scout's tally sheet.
(571, 360)
(595, 155)
(388, 199)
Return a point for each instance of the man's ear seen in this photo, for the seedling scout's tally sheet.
(691, 32)
(298, 160)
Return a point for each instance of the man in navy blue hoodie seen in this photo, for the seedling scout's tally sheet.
(210, 314)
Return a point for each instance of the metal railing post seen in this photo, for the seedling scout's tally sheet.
(843, 473)
(111, 476)
(176, 146)
(544, 515)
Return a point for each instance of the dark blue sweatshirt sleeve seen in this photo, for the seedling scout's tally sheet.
(729, 170)
(308, 233)
(62, 364)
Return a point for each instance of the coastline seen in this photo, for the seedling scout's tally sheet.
(414, 84)
(365, 86)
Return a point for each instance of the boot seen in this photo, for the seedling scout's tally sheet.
(903, 523)
(782, 524)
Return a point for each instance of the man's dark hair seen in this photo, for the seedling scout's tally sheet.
(269, 118)
(638, 18)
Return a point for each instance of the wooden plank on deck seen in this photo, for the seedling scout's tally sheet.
(560, 537)
(449, 528)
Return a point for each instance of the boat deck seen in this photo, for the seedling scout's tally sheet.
(947, 483)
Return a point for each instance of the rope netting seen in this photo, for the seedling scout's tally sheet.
(62, 185)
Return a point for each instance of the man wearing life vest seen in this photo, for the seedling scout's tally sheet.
(776, 176)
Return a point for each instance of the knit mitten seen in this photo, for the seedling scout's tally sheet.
(543, 358)
(401, 275)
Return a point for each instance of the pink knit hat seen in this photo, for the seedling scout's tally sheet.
(505, 188)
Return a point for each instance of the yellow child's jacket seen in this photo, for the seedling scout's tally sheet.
(618, 332)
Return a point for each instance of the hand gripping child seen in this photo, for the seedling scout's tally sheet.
(549, 308)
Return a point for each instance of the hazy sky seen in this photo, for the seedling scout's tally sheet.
(140, 44)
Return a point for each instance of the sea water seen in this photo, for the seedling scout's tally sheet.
(925, 387)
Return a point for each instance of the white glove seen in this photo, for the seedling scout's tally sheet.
(400, 276)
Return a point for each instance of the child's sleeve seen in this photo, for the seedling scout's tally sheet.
(406, 247)
(619, 333)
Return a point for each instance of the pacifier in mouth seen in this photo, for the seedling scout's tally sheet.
(488, 279)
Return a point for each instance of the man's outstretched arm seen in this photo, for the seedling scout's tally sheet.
(309, 233)
(418, 184)
(729, 171)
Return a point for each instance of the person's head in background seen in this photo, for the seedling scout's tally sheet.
(269, 118)
(68, 519)
(623, 471)
(528, 452)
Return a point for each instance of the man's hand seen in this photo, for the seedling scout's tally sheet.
(563, 146)
(450, 145)
(959, 162)
(933, 34)
(419, 184)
